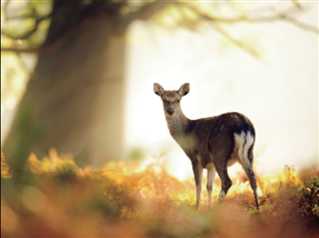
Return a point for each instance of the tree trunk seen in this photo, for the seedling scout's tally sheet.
(74, 101)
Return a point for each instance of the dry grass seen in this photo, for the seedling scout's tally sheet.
(123, 200)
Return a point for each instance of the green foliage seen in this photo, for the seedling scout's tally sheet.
(309, 201)
(65, 173)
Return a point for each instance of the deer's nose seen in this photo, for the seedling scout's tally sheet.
(169, 111)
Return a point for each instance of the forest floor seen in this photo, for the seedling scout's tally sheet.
(122, 200)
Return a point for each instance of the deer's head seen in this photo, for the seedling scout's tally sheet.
(171, 98)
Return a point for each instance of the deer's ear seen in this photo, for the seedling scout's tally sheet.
(184, 89)
(158, 89)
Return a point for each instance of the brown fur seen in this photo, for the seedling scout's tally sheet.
(208, 140)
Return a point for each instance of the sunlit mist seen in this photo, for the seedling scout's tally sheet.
(86, 88)
(278, 91)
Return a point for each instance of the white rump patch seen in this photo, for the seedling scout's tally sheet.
(243, 142)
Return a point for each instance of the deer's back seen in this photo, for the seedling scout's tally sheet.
(214, 136)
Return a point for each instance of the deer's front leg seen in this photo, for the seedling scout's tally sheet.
(210, 180)
(198, 171)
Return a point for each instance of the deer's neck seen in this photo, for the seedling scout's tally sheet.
(177, 123)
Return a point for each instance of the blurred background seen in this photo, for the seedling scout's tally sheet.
(77, 76)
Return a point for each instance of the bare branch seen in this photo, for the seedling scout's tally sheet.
(240, 44)
(276, 16)
(28, 33)
(300, 24)
(146, 11)
(296, 3)
(26, 15)
(27, 50)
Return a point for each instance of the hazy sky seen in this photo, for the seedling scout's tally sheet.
(278, 92)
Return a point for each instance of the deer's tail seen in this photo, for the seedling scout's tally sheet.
(244, 143)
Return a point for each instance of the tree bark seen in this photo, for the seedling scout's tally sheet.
(74, 101)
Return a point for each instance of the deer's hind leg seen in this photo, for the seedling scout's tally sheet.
(247, 165)
(245, 157)
(225, 180)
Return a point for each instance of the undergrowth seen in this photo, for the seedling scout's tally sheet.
(123, 200)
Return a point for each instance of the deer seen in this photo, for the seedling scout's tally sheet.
(212, 143)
